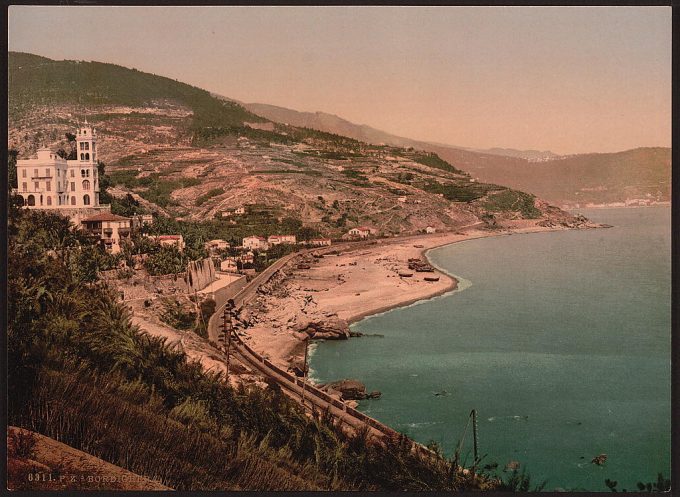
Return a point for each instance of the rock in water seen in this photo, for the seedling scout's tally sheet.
(599, 460)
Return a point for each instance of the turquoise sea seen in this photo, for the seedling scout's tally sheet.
(559, 340)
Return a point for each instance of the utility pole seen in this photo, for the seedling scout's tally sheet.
(227, 326)
(474, 441)
(304, 372)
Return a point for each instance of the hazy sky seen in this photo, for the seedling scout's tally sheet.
(560, 78)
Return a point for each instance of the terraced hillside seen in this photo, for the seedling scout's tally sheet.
(185, 153)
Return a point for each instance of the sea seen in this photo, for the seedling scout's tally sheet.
(560, 341)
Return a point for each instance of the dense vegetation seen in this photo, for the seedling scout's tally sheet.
(34, 80)
(81, 373)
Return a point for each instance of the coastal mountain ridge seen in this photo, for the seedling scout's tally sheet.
(571, 180)
(335, 124)
(183, 152)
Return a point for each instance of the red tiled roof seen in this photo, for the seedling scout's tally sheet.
(106, 216)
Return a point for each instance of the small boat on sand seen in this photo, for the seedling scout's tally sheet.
(431, 278)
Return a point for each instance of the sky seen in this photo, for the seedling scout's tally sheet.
(565, 79)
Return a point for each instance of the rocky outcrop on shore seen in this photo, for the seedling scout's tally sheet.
(331, 328)
(349, 389)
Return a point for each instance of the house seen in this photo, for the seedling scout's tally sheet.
(320, 242)
(228, 265)
(430, 229)
(215, 245)
(240, 211)
(247, 258)
(255, 243)
(360, 232)
(109, 228)
(279, 239)
(69, 186)
(169, 241)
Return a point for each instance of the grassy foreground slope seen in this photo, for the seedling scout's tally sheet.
(80, 373)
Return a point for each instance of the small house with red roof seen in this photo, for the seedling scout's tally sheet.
(109, 228)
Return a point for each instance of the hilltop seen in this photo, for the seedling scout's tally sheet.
(642, 173)
(185, 152)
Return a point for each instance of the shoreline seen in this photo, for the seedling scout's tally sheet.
(359, 282)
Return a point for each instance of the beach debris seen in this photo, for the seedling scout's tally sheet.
(512, 466)
(419, 246)
(441, 393)
(304, 266)
(431, 278)
(599, 460)
(420, 265)
(405, 274)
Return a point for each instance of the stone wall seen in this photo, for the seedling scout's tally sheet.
(200, 274)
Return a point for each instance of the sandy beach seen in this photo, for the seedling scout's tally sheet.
(344, 288)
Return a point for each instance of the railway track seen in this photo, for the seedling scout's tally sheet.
(315, 400)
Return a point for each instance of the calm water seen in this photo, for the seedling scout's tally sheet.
(561, 341)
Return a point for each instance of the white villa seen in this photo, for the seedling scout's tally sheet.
(50, 182)
(279, 239)
(255, 243)
(360, 232)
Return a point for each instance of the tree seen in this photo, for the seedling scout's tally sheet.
(12, 168)
(168, 260)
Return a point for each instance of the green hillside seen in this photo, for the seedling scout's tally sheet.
(35, 80)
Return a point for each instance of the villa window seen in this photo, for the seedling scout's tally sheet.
(87, 146)
(47, 173)
(82, 146)
(73, 173)
(82, 156)
(49, 200)
(73, 200)
(86, 185)
(86, 200)
(48, 186)
(23, 173)
(31, 200)
(35, 173)
(82, 173)
(24, 186)
(87, 156)
(37, 185)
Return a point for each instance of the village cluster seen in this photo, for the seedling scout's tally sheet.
(72, 188)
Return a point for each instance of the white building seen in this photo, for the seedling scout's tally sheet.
(361, 232)
(217, 244)
(50, 182)
(255, 243)
(430, 229)
(169, 240)
(320, 242)
(279, 239)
